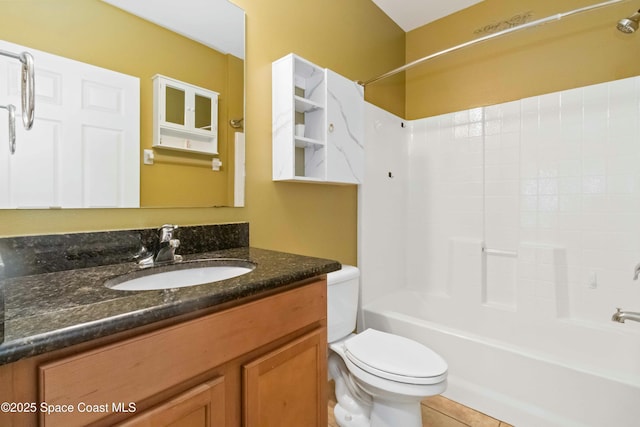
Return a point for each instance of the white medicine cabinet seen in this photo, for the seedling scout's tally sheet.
(185, 117)
(318, 124)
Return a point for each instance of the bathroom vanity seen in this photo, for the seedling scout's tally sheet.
(248, 351)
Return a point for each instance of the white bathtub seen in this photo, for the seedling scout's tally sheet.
(539, 374)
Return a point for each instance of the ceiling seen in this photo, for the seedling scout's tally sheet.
(218, 24)
(411, 14)
(210, 21)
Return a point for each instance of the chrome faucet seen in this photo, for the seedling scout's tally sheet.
(636, 272)
(165, 249)
(621, 316)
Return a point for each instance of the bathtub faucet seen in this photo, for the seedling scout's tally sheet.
(621, 316)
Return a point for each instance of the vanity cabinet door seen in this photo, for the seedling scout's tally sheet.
(201, 406)
(288, 387)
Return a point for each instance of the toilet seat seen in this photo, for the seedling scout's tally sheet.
(395, 358)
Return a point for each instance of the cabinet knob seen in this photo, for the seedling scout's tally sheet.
(330, 127)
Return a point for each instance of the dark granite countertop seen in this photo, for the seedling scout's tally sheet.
(49, 311)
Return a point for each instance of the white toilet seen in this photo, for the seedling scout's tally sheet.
(380, 377)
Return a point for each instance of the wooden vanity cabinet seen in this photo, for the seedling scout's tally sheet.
(262, 363)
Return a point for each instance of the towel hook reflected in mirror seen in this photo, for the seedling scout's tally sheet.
(237, 123)
(12, 126)
(28, 95)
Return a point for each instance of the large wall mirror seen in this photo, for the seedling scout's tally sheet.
(199, 42)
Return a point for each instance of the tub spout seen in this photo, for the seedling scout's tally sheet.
(621, 316)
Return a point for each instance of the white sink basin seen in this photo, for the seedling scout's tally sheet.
(180, 275)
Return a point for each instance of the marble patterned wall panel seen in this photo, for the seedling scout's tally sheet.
(345, 140)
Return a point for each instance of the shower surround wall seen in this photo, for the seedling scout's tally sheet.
(549, 186)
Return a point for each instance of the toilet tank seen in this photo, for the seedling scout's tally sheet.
(342, 302)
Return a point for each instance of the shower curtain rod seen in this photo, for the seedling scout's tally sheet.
(555, 17)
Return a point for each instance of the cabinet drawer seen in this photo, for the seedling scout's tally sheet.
(138, 368)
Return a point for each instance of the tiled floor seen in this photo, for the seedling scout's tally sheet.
(438, 411)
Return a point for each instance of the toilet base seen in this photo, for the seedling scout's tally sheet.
(346, 419)
(383, 414)
(394, 414)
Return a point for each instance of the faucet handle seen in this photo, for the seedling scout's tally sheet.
(144, 257)
(616, 316)
(166, 232)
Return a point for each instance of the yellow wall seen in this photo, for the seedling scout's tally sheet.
(577, 51)
(353, 38)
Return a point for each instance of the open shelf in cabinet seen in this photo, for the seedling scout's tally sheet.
(329, 147)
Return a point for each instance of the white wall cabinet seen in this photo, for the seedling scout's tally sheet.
(330, 107)
(185, 117)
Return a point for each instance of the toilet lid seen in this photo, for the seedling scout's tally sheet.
(395, 358)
